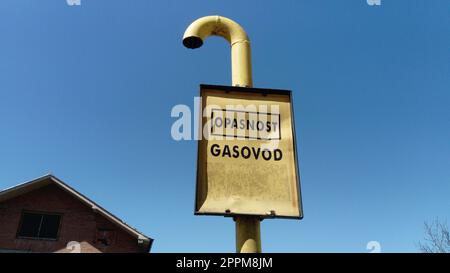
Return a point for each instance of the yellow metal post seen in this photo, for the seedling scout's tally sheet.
(248, 235)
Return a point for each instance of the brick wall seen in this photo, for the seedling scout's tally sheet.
(78, 223)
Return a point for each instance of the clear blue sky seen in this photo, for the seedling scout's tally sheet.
(86, 93)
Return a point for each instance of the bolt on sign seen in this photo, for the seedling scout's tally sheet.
(247, 158)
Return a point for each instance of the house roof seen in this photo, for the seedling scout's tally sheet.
(51, 179)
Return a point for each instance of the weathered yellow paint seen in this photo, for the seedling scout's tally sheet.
(248, 228)
(236, 185)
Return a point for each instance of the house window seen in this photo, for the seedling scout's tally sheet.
(39, 226)
(105, 237)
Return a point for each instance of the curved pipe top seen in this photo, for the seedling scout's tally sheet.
(204, 27)
(216, 25)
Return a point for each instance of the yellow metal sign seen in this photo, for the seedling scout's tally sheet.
(247, 160)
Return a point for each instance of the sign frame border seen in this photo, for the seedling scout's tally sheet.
(262, 91)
